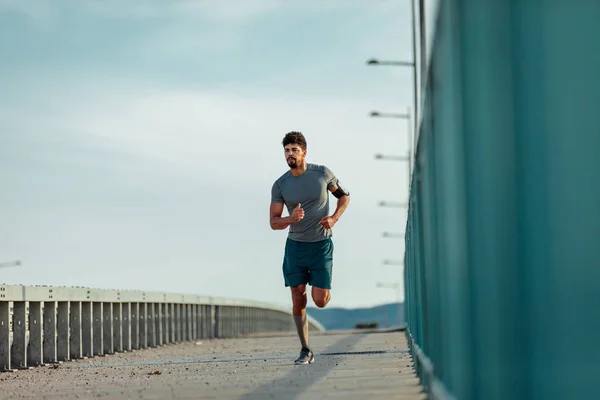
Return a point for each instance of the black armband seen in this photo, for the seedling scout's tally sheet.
(340, 191)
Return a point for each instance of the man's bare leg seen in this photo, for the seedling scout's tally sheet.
(321, 296)
(299, 310)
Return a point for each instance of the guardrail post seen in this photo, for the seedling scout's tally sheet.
(256, 319)
(49, 326)
(176, 323)
(158, 334)
(235, 310)
(98, 321)
(87, 331)
(240, 320)
(126, 325)
(185, 323)
(135, 326)
(143, 326)
(36, 335)
(172, 322)
(201, 323)
(216, 322)
(19, 345)
(222, 321)
(164, 323)
(107, 312)
(206, 321)
(62, 328)
(189, 321)
(117, 327)
(181, 322)
(4, 335)
(150, 325)
(227, 321)
(257, 322)
(194, 321)
(248, 319)
(75, 330)
(260, 320)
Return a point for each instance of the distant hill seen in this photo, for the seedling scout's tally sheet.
(385, 315)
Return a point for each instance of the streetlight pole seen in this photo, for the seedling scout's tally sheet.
(414, 44)
(392, 262)
(10, 264)
(380, 156)
(392, 204)
(375, 61)
(393, 235)
(413, 65)
(422, 37)
(410, 133)
(399, 158)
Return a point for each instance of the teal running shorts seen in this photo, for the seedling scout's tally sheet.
(308, 263)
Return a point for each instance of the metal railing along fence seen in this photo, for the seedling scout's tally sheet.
(502, 262)
(44, 324)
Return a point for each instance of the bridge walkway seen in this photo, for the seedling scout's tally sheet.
(348, 365)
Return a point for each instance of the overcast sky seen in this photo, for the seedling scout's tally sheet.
(139, 140)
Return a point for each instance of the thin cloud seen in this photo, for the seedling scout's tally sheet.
(41, 12)
(222, 11)
(177, 125)
(228, 11)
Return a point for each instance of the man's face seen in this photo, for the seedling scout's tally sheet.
(294, 155)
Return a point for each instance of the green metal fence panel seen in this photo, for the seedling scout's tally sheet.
(561, 198)
(502, 268)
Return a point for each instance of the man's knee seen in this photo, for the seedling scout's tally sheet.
(298, 298)
(321, 297)
(298, 291)
(320, 302)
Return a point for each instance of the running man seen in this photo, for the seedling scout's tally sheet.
(308, 257)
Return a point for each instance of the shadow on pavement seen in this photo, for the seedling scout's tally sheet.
(302, 377)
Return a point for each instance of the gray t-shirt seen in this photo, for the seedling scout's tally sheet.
(310, 190)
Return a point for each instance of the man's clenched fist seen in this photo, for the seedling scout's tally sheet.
(298, 213)
(327, 222)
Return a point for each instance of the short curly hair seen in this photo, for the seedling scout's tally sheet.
(294, 137)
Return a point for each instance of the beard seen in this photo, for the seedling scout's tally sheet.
(292, 162)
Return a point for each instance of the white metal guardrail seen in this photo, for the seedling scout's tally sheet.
(45, 324)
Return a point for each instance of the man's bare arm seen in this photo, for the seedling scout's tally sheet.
(342, 204)
(278, 222)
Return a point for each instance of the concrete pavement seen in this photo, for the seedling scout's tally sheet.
(348, 366)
